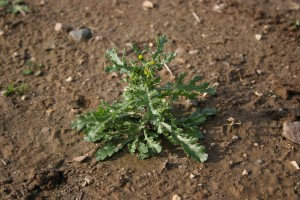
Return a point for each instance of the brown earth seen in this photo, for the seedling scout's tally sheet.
(258, 84)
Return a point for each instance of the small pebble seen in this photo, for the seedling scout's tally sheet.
(87, 181)
(192, 176)
(179, 51)
(81, 34)
(194, 51)
(62, 27)
(258, 37)
(148, 5)
(3, 162)
(24, 97)
(212, 144)
(1, 33)
(295, 165)
(280, 109)
(245, 172)
(15, 54)
(45, 130)
(259, 161)
(176, 197)
(258, 71)
(69, 79)
(255, 144)
(219, 7)
(235, 137)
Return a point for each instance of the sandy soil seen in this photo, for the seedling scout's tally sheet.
(257, 83)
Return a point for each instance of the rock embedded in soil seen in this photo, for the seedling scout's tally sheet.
(245, 172)
(80, 158)
(295, 165)
(80, 34)
(148, 5)
(291, 131)
(176, 197)
(193, 52)
(59, 27)
(258, 37)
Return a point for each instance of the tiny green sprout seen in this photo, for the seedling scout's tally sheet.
(27, 72)
(19, 90)
(33, 68)
(145, 113)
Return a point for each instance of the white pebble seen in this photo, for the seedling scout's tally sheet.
(194, 51)
(148, 5)
(212, 144)
(235, 137)
(258, 37)
(245, 172)
(255, 144)
(69, 79)
(192, 176)
(258, 71)
(176, 197)
(24, 97)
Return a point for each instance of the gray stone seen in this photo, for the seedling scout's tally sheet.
(81, 34)
(291, 131)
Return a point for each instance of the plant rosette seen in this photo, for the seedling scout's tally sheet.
(143, 116)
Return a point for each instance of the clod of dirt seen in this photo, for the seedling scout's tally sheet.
(46, 179)
(291, 131)
(80, 34)
(163, 167)
(176, 197)
(87, 181)
(148, 5)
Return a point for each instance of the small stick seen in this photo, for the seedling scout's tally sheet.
(168, 69)
(196, 17)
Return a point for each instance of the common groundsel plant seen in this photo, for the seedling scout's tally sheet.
(143, 116)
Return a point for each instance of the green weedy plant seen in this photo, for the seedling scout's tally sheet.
(12, 89)
(145, 109)
(14, 6)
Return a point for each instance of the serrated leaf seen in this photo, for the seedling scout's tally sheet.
(143, 151)
(133, 146)
(107, 151)
(192, 148)
(152, 144)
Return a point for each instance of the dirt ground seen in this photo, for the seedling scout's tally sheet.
(250, 50)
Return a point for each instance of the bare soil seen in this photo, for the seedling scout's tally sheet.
(257, 82)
